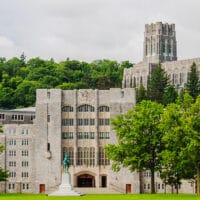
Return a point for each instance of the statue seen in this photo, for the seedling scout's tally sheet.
(66, 163)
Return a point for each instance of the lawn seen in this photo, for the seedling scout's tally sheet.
(103, 197)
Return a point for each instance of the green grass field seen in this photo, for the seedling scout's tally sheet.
(103, 197)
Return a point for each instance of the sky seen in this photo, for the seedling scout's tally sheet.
(88, 30)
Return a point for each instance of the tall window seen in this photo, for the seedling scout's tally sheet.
(70, 152)
(85, 108)
(103, 160)
(86, 156)
(67, 109)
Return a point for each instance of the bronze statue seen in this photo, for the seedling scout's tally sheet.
(66, 163)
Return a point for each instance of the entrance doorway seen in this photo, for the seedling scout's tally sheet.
(42, 188)
(86, 180)
(103, 181)
(128, 188)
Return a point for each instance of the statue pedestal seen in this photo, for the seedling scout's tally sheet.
(65, 188)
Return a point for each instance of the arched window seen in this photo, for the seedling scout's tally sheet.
(85, 108)
(67, 109)
(104, 109)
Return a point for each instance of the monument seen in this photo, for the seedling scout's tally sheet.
(65, 188)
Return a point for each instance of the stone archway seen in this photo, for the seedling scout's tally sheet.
(85, 180)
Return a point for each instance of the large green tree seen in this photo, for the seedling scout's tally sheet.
(139, 139)
(193, 82)
(175, 163)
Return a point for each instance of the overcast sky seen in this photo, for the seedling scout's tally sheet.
(93, 29)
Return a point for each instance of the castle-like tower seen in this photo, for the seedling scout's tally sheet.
(159, 43)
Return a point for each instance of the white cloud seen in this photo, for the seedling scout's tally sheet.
(93, 29)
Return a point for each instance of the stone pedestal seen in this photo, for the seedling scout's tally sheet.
(65, 188)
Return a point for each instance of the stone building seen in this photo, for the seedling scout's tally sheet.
(78, 122)
(159, 47)
(72, 121)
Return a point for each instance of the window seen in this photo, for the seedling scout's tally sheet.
(158, 186)
(103, 135)
(48, 94)
(24, 152)
(25, 174)
(85, 108)
(2, 116)
(148, 186)
(12, 142)
(25, 186)
(12, 163)
(103, 160)
(24, 163)
(24, 142)
(24, 131)
(144, 186)
(85, 122)
(32, 117)
(85, 135)
(11, 186)
(86, 156)
(67, 135)
(17, 117)
(67, 109)
(163, 186)
(12, 174)
(104, 109)
(12, 153)
(103, 122)
(68, 122)
(12, 131)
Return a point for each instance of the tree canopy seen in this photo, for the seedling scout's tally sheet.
(19, 78)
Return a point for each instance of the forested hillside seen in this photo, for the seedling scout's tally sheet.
(19, 78)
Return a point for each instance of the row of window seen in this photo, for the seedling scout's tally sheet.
(85, 122)
(23, 131)
(85, 135)
(85, 108)
(13, 153)
(23, 174)
(17, 117)
(14, 163)
(148, 174)
(13, 142)
(2, 116)
(25, 186)
(159, 186)
(86, 156)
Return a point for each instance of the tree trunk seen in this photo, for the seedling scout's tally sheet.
(152, 181)
(198, 179)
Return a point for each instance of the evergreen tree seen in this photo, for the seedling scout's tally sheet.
(170, 95)
(193, 82)
(157, 84)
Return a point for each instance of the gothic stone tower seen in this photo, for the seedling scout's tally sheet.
(159, 43)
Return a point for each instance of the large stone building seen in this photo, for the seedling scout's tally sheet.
(78, 122)
(159, 47)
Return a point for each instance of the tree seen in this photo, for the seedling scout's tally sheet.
(157, 84)
(193, 82)
(3, 174)
(170, 95)
(139, 139)
(175, 164)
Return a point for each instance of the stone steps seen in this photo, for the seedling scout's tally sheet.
(88, 190)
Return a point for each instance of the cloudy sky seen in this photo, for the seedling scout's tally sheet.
(93, 29)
